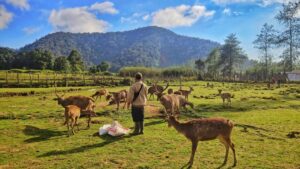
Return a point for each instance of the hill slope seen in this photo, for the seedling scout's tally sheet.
(148, 46)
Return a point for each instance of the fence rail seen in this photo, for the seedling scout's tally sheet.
(9, 79)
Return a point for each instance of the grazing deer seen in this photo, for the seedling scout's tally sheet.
(204, 130)
(186, 93)
(178, 92)
(72, 112)
(173, 103)
(86, 104)
(117, 97)
(101, 92)
(226, 96)
(156, 88)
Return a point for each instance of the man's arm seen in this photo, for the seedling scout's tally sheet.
(130, 96)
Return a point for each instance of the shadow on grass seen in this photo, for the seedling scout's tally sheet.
(40, 134)
(108, 140)
(154, 123)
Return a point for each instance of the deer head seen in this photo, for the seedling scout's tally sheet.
(60, 99)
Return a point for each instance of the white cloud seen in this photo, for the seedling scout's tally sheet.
(183, 15)
(134, 18)
(76, 20)
(146, 17)
(5, 17)
(259, 2)
(31, 30)
(104, 7)
(227, 11)
(22, 4)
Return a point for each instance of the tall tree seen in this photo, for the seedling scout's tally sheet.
(61, 64)
(231, 56)
(7, 57)
(76, 61)
(290, 36)
(212, 62)
(265, 41)
(103, 66)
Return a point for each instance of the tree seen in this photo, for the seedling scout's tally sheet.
(265, 41)
(76, 61)
(231, 56)
(103, 66)
(200, 65)
(36, 59)
(212, 62)
(290, 37)
(61, 64)
(7, 57)
(93, 69)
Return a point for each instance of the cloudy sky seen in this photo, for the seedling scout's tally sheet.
(24, 21)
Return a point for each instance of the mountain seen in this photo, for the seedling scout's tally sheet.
(148, 46)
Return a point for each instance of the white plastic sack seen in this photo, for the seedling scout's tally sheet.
(104, 129)
(114, 129)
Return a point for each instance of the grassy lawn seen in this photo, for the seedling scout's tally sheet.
(32, 134)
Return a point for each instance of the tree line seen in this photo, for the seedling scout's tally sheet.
(44, 59)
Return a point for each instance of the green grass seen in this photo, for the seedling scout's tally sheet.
(32, 134)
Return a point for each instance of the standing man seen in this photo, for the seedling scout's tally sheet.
(137, 97)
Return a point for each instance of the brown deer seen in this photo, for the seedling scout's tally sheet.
(178, 92)
(86, 104)
(226, 96)
(72, 112)
(204, 130)
(186, 93)
(117, 97)
(99, 93)
(173, 103)
(156, 88)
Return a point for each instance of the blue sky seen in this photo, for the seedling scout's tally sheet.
(24, 21)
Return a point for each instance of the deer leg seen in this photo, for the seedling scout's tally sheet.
(68, 127)
(233, 151)
(76, 123)
(124, 103)
(118, 105)
(194, 148)
(89, 121)
(226, 144)
(72, 125)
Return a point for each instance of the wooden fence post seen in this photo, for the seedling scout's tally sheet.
(18, 79)
(55, 79)
(47, 79)
(38, 79)
(6, 78)
(66, 79)
(83, 76)
(30, 78)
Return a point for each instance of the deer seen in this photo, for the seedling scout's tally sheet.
(186, 93)
(156, 88)
(117, 97)
(173, 103)
(225, 97)
(86, 104)
(72, 112)
(204, 130)
(101, 92)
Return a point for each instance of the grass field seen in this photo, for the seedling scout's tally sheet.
(32, 134)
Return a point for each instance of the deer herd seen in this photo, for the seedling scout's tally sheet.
(203, 129)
